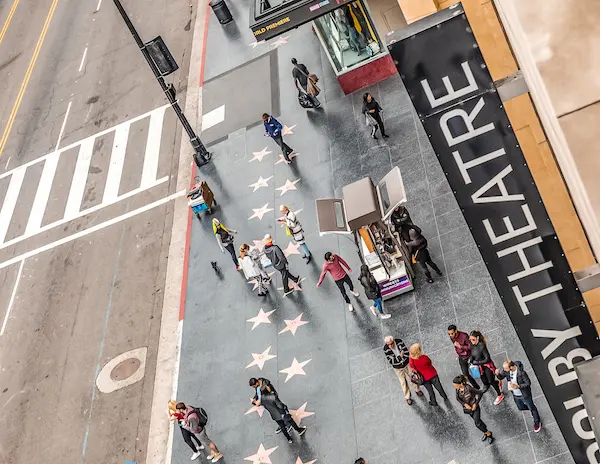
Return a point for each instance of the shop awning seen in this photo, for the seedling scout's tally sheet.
(270, 18)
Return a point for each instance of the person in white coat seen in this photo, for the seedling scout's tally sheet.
(295, 229)
(250, 262)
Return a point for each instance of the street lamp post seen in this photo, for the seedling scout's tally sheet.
(201, 154)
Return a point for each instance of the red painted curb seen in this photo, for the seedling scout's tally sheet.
(204, 46)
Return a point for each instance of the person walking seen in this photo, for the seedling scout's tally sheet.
(480, 356)
(397, 355)
(252, 269)
(519, 385)
(294, 228)
(194, 422)
(225, 240)
(259, 386)
(273, 129)
(280, 413)
(417, 247)
(333, 264)
(306, 82)
(469, 397)
(462, 346)
(373, 292)
(372, 112)
(279, 262)
(427, 374)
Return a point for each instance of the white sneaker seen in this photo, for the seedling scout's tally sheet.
(195, 456)
(210, 456)
(354, 293)
(386, 316)
(350, 308)
(372, 308)
(217, 457)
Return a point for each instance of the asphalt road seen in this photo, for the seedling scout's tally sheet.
(85, 222)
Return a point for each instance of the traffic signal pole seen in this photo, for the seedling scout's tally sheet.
(201, 154)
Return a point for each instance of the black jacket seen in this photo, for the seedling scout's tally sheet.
(523, 380)
(397, 362)
(300, 73)
(371, 286)
(273, 404)
(373, 105)
(480, 354)
(276, 257)
(418, 248)
(470, 395)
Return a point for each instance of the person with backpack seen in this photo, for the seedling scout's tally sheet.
(306, 82)
(194, 423)
(417, 247)
(279, 413)
(372, 291)
(273, 129)
(225, 240)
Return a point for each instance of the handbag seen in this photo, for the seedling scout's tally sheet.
(288, 231)
(474, 371)
(370, 120)
(417, 378)
(304, 100)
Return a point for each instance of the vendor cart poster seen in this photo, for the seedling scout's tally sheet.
(463, 116)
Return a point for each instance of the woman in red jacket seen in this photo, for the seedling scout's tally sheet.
(421, 364)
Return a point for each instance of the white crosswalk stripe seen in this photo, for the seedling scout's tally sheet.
(77, 189)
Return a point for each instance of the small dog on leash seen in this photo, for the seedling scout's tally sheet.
(215, 266)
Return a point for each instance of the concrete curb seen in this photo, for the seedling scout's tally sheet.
(160, 435)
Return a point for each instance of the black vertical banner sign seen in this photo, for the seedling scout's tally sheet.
(455, 98)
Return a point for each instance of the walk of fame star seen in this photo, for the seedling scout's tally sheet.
(291, 249)
(289, 185)
(257, 409)
(300, 413)
(299, 461)
(293, 286)
(261, 456)
(259, 155)
(260, 183)
(261, 358)
(280, 41)
(260, 318)
(287, 130)
(295, 369)
(293, 324)
(282, 159)
(256, 44)
(260, 212)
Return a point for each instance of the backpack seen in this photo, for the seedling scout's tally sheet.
(202, 417)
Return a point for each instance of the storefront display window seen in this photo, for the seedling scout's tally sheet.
(349, 35)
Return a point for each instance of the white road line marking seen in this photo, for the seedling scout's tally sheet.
(82, 59)
(150, 169)
(42, 195)
(214, 117)
(62, 128)
(7, 161)
(117, 159)
(79, 142)
(99, 3)
(91, 230)
(82, 167)
(10, 200)
(12, 298)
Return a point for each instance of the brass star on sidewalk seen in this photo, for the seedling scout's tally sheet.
(300, 413)
(291, 249)
(259, 155)
(257, 409)
(256, 44)
(260, 318)
(289, 185)
(297, 368)
(293, 324)
(282, 159)
(293, 286)
(260, 212)
(287, 130)
(280, 41)
(260, 183)
(261, 456)
(261, 358)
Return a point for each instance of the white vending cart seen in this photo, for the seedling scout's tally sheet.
(364, 212)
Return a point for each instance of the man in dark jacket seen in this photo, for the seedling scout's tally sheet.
(520, 386)
(417, 246)
(402, 222)
(397, 355)
(273, 129)
(280, 262)
(280, 413)
(462, 346)
(301, 75)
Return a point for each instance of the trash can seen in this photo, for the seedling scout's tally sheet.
(221, 11)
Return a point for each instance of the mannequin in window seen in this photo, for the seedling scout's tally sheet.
(355, 36)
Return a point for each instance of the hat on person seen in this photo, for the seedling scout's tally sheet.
(267, 238)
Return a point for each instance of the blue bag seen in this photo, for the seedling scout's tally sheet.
(474, 371)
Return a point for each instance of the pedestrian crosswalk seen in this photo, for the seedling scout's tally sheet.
(17, 179)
